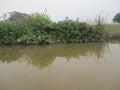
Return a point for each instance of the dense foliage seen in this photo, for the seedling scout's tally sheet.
(117, 18)
(38, 28)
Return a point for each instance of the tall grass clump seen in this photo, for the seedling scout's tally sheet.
(99, 28)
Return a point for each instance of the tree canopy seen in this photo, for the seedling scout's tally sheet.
(17, 16)
(117, 18)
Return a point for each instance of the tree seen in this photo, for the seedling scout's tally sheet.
(17, 16)
(117, 18)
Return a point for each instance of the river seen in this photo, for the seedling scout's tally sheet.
(86, 66)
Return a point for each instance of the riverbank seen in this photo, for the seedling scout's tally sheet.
(38, 28)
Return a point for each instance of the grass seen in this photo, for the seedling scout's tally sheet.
(112, 31)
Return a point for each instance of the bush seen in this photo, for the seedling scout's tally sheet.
(38, 28)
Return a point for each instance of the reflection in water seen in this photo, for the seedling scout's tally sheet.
(43, 56)
(88, 66)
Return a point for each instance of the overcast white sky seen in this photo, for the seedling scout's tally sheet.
(59, 9)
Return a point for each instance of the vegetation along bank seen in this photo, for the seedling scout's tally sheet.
(38, 28)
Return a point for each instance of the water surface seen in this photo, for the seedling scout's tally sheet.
(87, 66)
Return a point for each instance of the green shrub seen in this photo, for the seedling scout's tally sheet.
(38, 28)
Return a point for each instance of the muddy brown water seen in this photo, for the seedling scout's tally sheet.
(87, 66)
